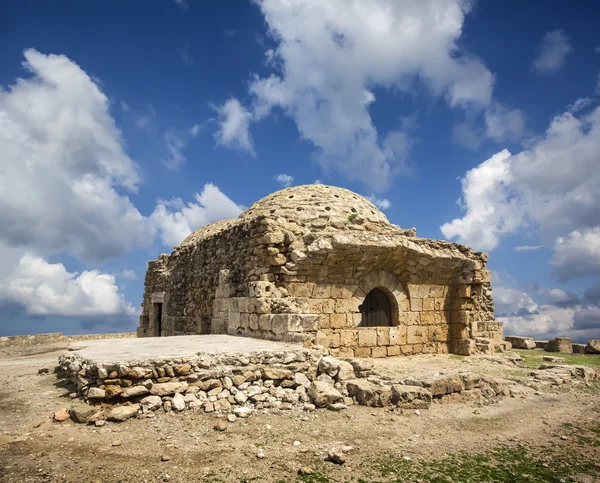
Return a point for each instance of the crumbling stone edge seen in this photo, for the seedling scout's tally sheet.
(304, 379)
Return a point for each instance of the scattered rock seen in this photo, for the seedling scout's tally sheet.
(82, 413)
(322, 394)
(260, 453)
(151, 403)
(168, 388)
(96, 393)
(178, 402)
(346, 371)
(243, 412)
(220, 426)
(43, 370)
(134, 391)
(305, 471)
(232, 418)
(123, 413)
(337, 406)
(328, 365)
(559, 360)
(99, 423)
(61, 415)
(118, 442)
(165, 458)
(335, 456)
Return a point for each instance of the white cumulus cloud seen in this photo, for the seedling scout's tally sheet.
(381, 203)
(63, 167)
(552, 52)
(234, 122)
(175, 220)
(551, 188)
(48, 288)
(331, 56)
(285, 180)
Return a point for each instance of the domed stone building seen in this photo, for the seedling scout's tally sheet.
(321, 265)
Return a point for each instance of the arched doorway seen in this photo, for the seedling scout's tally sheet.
(376, 310)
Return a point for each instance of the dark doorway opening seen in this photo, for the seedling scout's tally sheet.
(158, 319)
(376, 310)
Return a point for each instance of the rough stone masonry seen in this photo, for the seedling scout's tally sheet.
(322, 266)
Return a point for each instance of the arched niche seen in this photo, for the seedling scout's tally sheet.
(380, 283)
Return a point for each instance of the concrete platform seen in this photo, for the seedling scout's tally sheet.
(124, 350)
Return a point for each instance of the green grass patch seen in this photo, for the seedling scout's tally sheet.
(534, 357)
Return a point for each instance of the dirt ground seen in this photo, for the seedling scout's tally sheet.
(185, 447)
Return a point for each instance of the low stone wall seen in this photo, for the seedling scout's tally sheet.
(302, 379)
(55, 337)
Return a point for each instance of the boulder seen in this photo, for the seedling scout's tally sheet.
(168, 388)
(323, 394)
(301, 379)
(410, 397)
(438, 386)
(593, 347)
(151, 403)
(138, 373)
(368, 394)
(82, 413)
(328, 365)
(519, 342)
(346, 371)
(134, 391)
(96, 393)
(541, 344)
(276, 373)
(178, 402)
(560, 344)
(123, 413)
(579, 349)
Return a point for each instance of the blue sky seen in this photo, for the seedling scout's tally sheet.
(124, 128)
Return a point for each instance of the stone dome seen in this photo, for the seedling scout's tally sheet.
(207, 231)
(313, 201)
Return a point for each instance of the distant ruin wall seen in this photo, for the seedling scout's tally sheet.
(55, 337)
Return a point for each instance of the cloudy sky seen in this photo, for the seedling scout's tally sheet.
(123, 128)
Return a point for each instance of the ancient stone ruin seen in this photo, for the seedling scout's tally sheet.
(323, 267)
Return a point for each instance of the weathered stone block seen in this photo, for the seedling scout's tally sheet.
(436, 291)
(416, 334)
(379, 351)
(560, 344)
(383, 336)
(349, 338)
(337, 321)
(428, 318)
(593, 347)
(397, 335)
(444, 385)
(301, 289)
(519, 342)
(333, 340)
(416, 305)
(393, 350)
(362, 352)
(410, 397)
(321, 291)
(367, 337)
(368, 394)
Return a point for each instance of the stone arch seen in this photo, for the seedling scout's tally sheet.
(386, 282)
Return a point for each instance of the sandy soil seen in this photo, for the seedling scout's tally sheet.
(33, 448)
